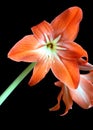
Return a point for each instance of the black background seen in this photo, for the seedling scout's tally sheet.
(29, 106)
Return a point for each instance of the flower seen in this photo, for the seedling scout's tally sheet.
(52, 46)
(82, 95)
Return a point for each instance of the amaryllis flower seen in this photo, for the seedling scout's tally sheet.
(82, 95)
(52, 46)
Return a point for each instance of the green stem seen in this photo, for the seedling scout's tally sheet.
(15, 83)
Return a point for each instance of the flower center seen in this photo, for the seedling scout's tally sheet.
(50, 45)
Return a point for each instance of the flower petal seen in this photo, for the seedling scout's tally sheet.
(67, 100)
(73, 69)
(89, 76)
(87, 67)
(65, 96)
(61, 72)
(59, 97)
(23, 50)
(67, 23)
(83, 95)
(82, 61)
(43, 30)
(72, 51)
(39, 71)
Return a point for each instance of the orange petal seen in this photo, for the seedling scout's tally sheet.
(73, 51)
(87, 67)
(81, 61)
(88, 88)
(59, 97)
(39, 72)
(73, 69)
(83, 95)
(67, 23)
(65, 96)
(61, 72)
(67, 100)
(23, 50)
(42, 30)
(55, 108)
(89, 76)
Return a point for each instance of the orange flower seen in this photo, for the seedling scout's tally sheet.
(51, 46)
(83, 95)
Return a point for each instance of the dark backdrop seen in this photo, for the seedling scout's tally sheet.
(26, 106)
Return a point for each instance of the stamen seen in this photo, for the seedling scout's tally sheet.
(46, 37)
(61, 48)
(57, 39)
